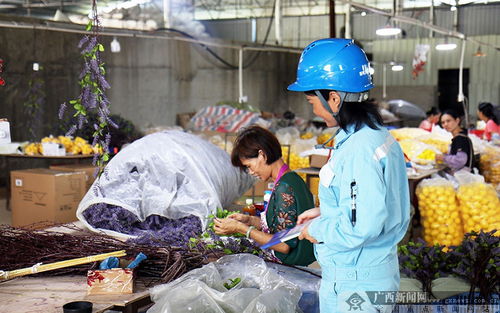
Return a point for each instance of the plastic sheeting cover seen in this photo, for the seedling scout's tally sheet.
(405, 109)
(171, 174)
(261, 290)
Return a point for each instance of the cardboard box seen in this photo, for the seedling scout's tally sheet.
(266, 115)
(88, 169)
(115, 281)
(45, 195)
(316, 160)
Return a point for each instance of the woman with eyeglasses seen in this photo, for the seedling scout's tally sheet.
(257, 151)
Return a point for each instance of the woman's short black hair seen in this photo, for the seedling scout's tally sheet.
(357, 113)
(432, 111)
(250, 141)
(452, 113)
(488, 110)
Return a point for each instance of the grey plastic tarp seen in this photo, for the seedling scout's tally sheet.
(405, 109)
(172, 174)
(261, 290)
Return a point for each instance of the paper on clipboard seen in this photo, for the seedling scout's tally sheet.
(286, 234)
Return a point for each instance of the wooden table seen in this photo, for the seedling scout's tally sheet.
(49, 294)
(424, 173)
(76, 157)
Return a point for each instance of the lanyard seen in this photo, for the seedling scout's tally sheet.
(263, 221)
(282, 171)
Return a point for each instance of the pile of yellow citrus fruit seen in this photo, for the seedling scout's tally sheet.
(490, 165)
(427, 155)
(480, 207)
(439, 212)
(296, 161)
(307, 135)
(33, 148)
(418, 152)
(313, 187)
(441, 145)
(72, 146)
(407, 133)
(324, 138)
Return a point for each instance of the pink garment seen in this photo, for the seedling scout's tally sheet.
(491, 127)
(426, 125)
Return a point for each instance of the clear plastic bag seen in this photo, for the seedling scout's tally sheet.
(261, 289)
(288, 135)
(440, 215)
(419, 152)
(171, 174)
(408, 133)
(479, 203)
(442, 143)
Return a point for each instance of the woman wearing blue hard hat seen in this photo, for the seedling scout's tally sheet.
(364, 198)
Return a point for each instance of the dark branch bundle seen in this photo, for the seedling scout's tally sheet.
(21, 248)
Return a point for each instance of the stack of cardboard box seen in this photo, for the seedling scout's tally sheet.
(45, 197)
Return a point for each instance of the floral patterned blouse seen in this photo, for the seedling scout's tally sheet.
(290, 198)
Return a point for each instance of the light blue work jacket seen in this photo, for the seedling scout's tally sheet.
(375, 161)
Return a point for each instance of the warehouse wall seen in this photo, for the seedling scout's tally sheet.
(152, 79)
(298, 31)
(483, 71)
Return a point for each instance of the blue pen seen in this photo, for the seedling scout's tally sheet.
(353, 202)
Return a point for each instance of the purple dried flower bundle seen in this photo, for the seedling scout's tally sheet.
(155, 230)
(93, 86)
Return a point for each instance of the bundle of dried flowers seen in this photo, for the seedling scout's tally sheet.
(20, 248)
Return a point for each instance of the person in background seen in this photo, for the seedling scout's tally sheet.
(432, 119)
(461, 152)
(257, 151)
(486, 113)
(364, 197)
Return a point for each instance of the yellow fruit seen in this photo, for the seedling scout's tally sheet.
(439, 212)
(479, 206)
(321, 139)
(87, 149)
(75, 149)
(80, 140)
(307, 135)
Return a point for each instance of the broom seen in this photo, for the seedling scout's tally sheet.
(37, 268)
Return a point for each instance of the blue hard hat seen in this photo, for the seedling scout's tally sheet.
(333, 64)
